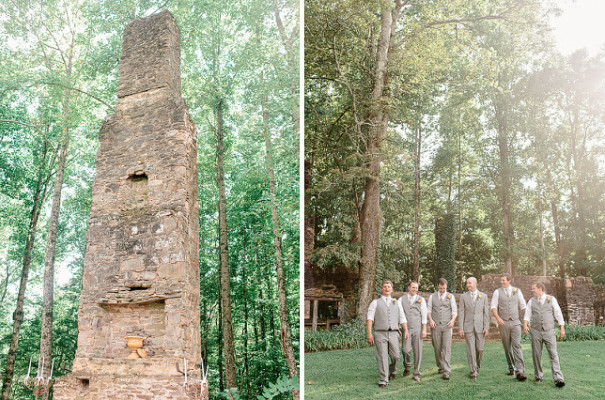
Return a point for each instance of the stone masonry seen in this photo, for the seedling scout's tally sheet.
(576, 296)
(141, 267)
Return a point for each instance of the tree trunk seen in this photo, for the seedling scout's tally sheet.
(286, 341)
(229, 344)
(291, 58)
(505, 181)
(39, 196)
(417, 150)
(309, 219)
(246, 363)
(541, 217)
(46, 335)
(577, 155)
(371, 216)
(221, 353)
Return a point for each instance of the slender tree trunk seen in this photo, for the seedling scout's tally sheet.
(560, 255)
(541, 217)
(262, 322)
(309, 219)
(46, 336)
(577, 155)
(371, 216)
(246, 362)
(291, 58)
(505, 181)
(417, 150)
(39, 196)
(229, 344)
(286, 341)
(221, 353)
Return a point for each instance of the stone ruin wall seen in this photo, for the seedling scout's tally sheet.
(576, 296)
(141, 266)
(599, 305)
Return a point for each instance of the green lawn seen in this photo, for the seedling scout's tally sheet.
(352, 374)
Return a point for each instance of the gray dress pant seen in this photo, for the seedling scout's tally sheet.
(441, 337)
(510, 333)
(550, 340)
(386, 344)
(474, 350)
(413, 343)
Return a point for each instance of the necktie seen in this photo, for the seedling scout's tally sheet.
(508, 292)
(473, 294)
(540, 301)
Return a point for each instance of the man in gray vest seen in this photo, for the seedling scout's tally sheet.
(508, 306)
(385, 315)
(442, 312)
(415, 310)
(473, 324)
(542, 310)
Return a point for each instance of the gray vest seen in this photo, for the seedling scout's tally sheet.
(508, 309)
(412, 312)
(386, 318)
(542, 316)
(472, 320)
(441, 311)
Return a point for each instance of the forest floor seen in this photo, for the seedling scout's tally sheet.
(353, 374)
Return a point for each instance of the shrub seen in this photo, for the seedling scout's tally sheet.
(576, 333)
(351, 335)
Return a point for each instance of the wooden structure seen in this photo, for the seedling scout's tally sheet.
(324, 307)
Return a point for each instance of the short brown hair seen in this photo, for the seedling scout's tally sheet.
(383, 282)
(410, 284)
(508, 277)
(442, 281)
(540, 285)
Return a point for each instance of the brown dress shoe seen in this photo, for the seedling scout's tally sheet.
(446, 377)
(392, 376)
(521, 377)
(382, 385)
(511, 373)
(474, 378)
(406, 372)
(559, 384)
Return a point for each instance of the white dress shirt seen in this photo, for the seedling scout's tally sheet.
(510, 289)
(389, 302)
(555, 306)
(423, 308)
(452, 302)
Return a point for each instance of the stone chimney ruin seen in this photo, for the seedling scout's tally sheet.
(141, 269)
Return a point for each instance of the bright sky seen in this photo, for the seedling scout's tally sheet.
(582, 25)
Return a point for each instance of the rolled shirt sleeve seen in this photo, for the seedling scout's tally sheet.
(454, 306)
(430, 303)
(557, 310)
(527, 316)
(372, 310)
(521, 299)
(423, 311)
(495, 298)
(402, 318)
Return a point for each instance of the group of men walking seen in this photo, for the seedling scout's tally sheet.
(406, 318)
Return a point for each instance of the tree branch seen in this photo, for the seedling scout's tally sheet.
(31, 126)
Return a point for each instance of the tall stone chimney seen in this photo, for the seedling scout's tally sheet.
(141, 266)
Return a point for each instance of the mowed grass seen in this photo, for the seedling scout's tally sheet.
(352, 374)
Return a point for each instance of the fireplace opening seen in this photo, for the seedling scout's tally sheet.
(84, 382)
(139, 287)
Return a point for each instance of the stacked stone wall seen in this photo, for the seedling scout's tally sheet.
(141, 266)
(576, 296)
